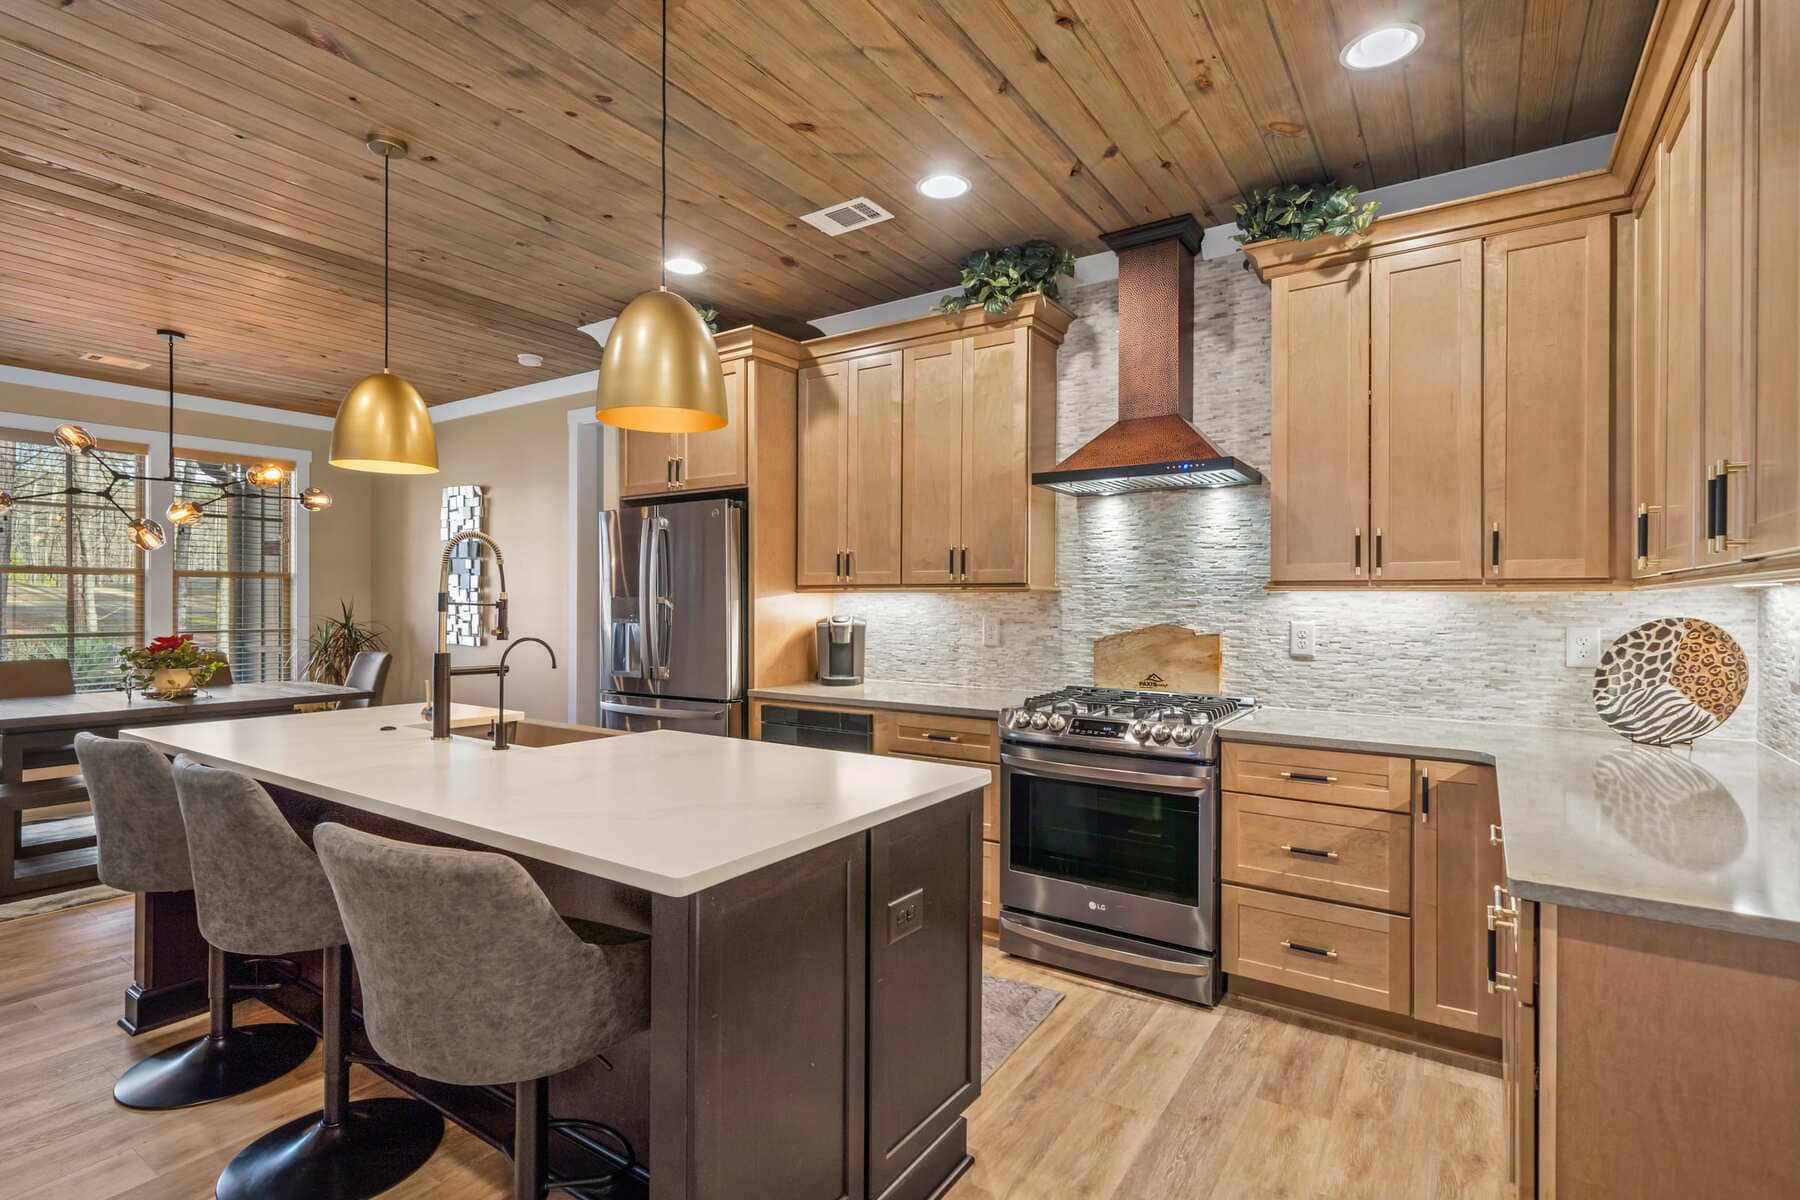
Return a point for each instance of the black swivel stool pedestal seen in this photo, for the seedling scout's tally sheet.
(143, 848)
(260, 891)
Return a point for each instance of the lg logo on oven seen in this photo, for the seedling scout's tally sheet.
(1096, 906)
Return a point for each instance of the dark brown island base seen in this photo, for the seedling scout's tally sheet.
(816, 956)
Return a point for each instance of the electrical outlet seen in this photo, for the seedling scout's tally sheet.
(906, 915)
(990, 631)
(1303, 639)
(1581, 648)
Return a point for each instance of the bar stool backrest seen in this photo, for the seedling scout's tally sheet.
(257, 887)
(368, 670)
(469, 976)
(137, 818)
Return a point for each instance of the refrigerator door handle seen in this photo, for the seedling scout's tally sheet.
(622, 651)
(662, 607)
(662, 714)
(647, 638)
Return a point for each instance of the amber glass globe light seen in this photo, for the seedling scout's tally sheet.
(74, 439)
(266, 475)
(184, 512)
(146, 534)
(315, 499)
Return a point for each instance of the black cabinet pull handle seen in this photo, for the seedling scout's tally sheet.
(1496, 546)
(1358, 552)
(1302, 948)
(952, 567)
(1712, 504)
(850, 564)
(940, 737)
(1302, 777)
(1643, 533)
(1309, 853)
(1493, 955)
(1378, 551)
(1424, 797)
(840, 564)
(965, 564)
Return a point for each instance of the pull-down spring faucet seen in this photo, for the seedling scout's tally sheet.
(441, 670)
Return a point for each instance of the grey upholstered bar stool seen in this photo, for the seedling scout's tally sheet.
(143, 848)
(535, 995)
(259, 890)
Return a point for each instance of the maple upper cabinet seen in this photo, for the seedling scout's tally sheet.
(1719, 99)
(656, 463)
(917, 444)
(1546, 443)
(848, 508)
(1319, 380)
(1425, 414)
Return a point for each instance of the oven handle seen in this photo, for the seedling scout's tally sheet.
(1098, 774)
(1119, 956)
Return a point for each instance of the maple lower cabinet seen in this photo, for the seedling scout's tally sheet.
(917, 445)
(1457, 867)
(1547, 371)
(1319, 379)
(1425, 414)
(658, 463)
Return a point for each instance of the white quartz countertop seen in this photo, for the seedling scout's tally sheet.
(671, 813)
(1708, 836)
(939, 699)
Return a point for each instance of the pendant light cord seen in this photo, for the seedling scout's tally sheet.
(387, 167)
(663, 261)
(171, 408)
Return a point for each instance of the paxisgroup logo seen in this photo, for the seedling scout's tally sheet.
(1153, 681)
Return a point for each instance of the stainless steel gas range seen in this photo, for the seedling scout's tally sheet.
(1109, 835)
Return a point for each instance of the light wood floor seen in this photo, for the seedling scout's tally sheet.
(1116, 1095)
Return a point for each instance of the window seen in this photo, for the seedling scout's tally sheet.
(234, 575)
(71, 584)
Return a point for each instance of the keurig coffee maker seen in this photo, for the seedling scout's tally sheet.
(841, 651)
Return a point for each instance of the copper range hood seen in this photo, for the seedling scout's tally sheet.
(1153, 445)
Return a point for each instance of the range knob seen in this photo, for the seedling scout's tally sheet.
(1140, 730)
(1159, 733)
(1058, 722)
(1039, 720)
(1020, 719)
(1183, 735)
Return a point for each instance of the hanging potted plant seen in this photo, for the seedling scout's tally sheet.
(995, 279)
(168, 667)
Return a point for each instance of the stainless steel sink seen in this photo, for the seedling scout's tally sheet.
(537, 734)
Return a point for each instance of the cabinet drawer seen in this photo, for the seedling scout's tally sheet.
(1354, 855)
(990, 881)
(1346, 953)
(962, 738)
(990, 795)
(1358, 780)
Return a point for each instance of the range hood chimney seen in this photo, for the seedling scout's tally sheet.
(1153, 445)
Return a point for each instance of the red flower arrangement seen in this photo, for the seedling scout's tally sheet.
(176, 654)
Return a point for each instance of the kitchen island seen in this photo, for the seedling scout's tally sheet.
(815, 978)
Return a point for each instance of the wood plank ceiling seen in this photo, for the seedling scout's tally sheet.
(200, 163)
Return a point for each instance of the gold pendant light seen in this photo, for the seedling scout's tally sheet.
(660, 370)
(383, 425)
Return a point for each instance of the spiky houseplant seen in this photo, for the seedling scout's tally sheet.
(1301, 212)
(336, 641)
(995, 279)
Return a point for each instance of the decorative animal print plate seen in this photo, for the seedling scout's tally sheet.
(1670, 681)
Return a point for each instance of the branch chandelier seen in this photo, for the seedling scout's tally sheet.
(261, 479)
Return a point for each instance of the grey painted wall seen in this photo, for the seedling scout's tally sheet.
(1201, 559)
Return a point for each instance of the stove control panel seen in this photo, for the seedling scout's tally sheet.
(1098, 727)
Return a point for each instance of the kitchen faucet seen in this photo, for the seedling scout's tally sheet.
(500, 717)
(441, 670)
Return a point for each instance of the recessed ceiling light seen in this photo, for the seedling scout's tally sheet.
(943, 187)
(531, 360)
(1382, 47)
(685, 266)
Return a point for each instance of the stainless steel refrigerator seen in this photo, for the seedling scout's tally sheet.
(672, 615)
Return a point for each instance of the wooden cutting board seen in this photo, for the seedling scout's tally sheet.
(1159, 658)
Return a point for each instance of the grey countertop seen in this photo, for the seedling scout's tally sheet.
(940, 699)
(1708, 836)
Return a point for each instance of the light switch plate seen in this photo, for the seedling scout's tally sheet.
(906, 915)
(1303, 639)
(1581, 648)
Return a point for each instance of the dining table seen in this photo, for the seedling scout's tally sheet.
(60, 852)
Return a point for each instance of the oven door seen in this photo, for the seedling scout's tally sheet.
(1124, 844)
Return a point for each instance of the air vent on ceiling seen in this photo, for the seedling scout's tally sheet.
(110, 360)
(839, 219)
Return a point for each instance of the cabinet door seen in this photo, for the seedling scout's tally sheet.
(1547, 375)
(1456, 865)
(1719, 92)
(719, 459)
(646, 462)
(1319, 377)
(872, 525)
(996, 515)
(1425, 413)
(932, 393)
(1676, 540)
(1516, 955)
(824, 416)
(1649, 430)
(1772, 498)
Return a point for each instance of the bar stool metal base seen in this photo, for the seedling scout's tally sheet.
(214, 1068)
(377, 1144)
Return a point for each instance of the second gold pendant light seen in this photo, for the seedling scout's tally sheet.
(660, 370)
(383, 425)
